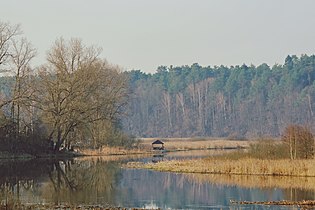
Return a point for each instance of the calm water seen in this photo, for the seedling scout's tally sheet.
(103, 181)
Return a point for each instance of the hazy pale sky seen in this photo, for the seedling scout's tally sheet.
(143, 34)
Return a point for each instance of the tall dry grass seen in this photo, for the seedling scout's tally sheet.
(262, 149)
(244, 166)
(109, 158)
(195, 143)
(110, 151)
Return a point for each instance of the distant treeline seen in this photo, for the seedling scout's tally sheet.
(235, 102)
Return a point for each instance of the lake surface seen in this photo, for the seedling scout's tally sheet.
(102, 180)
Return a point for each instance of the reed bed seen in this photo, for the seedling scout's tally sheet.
(196, 143)
(110, 151)
(109, 158)
(244, 166)
(171, 144)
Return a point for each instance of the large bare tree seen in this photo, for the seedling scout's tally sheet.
(16, 54)
(8, 33)
(76, 88)
(23, 53)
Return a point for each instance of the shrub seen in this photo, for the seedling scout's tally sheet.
(299, 141)
(263, 149)
(268, 149)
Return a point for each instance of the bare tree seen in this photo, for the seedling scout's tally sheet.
(23, 53)
(290, 138)
(306, 144)
(15, 56)
(7, 34)
(77, 88)
(299, 140)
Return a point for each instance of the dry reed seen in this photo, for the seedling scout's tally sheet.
(246, 166)
(196, 143)
(110, 151)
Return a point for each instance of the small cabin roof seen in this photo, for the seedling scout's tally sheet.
(157, 142)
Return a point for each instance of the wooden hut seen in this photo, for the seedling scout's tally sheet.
(158, 145)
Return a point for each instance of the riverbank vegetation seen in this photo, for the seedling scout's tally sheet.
(74, 100)
(244, 166)
(198, 143)
(292, 156)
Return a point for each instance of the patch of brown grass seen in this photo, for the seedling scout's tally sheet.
(108, 158)
(246, 166)
(110, 151)
(195, 143)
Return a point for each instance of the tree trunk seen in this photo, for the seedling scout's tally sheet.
(59, 140)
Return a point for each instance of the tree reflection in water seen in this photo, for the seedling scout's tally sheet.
(59, 181)
(293, 188)
(20, 177)
(102, 182)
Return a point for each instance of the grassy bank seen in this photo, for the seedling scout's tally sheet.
(267, 158)
(144, 146)
(177, 144)
(171, 144)
(105, 151)
(247, 166)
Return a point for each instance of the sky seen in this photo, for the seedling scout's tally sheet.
(144, 34)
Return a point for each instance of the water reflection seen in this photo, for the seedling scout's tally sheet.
(180, 155)
(157, 158)
(54, 181)
(103, 181)
(179, 191)
(21, 178)
(292, 188)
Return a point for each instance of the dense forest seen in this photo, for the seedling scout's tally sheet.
(236, 102)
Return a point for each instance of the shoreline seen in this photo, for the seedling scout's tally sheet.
(96, 153)
(246, 166)
(67, 206)
(144, 147)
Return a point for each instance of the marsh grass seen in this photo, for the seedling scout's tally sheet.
(196, 143)
(110, 151)
(109, 158)
(263, 149)
(144, 146)
(245, 166)
(267, 159)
